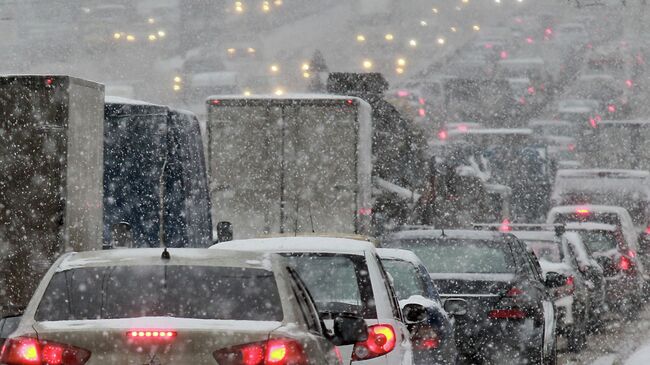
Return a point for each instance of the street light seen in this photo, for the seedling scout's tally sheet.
(367, 64)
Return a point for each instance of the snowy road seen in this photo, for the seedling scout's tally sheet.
(614, 344)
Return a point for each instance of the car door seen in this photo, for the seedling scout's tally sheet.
(537, 286)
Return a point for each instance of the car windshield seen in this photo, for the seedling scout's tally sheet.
(347, 287)
(546, 250)
(460, 256)
(406, 278)
(599, 241)
(109, 292)
(596, 217)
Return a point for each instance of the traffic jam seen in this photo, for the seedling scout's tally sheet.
(282, 182)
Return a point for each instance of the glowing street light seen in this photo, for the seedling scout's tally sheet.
(476, 27)
(361, 38)
(367, 64)
(389, 37)
(413, 43)
(441, 41)
(275, 68)
(401, 62)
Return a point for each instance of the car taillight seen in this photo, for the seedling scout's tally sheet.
(442, 135)
(505, 226)
(151, 333)
(381, 340)
(31, 351)
(507, 314)
(570, 285)
(425, 338)
(271, 352)
(611, 108)
(624, 263)
(647, 230)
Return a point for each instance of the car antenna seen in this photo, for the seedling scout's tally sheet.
(165, 255)
(311, 219)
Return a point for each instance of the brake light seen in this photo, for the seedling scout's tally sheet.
(624, 263)
(629, 83)
(350, 102)
(529, 40)
(570, 285)
(153, 333)
(422, 112)
(571, 147)
(531, 90)
(216, 102)
(271, 352)
(381, 340)
(507, 314)
(442, 135)
(505, 226)
(582, 211)
(463, 128)
(421, 101)
(647, 230)
(30, 351)
(611, 108)
(514, 291)
(631, 253)
(403, 93)
(504, 55)
(548, 31)
(425, 339)
(365, 211)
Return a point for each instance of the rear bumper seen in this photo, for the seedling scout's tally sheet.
(522, 336)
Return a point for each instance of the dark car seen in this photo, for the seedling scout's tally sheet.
(7, 326)
(432, 333)
(492, 285)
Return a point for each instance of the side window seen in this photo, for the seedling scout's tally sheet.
(397, 312)
(573, 258)
(535, 266)
(305, 301)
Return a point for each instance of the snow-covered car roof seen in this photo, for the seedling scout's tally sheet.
(153, 256)
(624, 122)
(451, 234)
(287, 97)
(535, 235)
(522, 61)
(592, 208)
(604, 173)
(575, 109)
(589, 226)
(493, 131)
(109, 99)
(548, 122)
(596, 77)
(300, 244)
(398, 254)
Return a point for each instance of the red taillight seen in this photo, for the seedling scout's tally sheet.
(349, 102)
(422, 112)
(571, 147)
(514, 291)
(582, 211)
(529, 40)
(421, 101)
(647, 230)
(463, 128)
(271, 352)
(504, 55)
(570, 285)
(30, 351)
(505, 226)
(507, 314)
(531, 90)
(381, 340)
(611, 108)
(216, 102)
(624, 263)
(151, 333)
(365, 211)
(548, 31)
(403, 93)
(629, 83)
(442, 135)
(425, 338)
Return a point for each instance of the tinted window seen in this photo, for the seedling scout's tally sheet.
(203, 292)
(337, 283)
(461, 256)
(406, 279)
(597, 241)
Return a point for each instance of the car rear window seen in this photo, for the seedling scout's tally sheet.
(598, 241)
(546, 250)
(406, 278)
(338, 283)
(203, 292)
(460, 255)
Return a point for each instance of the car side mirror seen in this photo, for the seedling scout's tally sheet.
(455, 307)
(121, 236)
(349, 329)
(555, 280)
(414, 313)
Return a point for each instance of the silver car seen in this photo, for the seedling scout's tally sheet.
(182, 306)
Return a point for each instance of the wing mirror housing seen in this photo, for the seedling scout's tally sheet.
(455, 307)
(555, 280)
(414, 313)
(349, 329)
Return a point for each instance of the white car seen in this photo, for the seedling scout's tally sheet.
(344, 275)
(184, 306)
